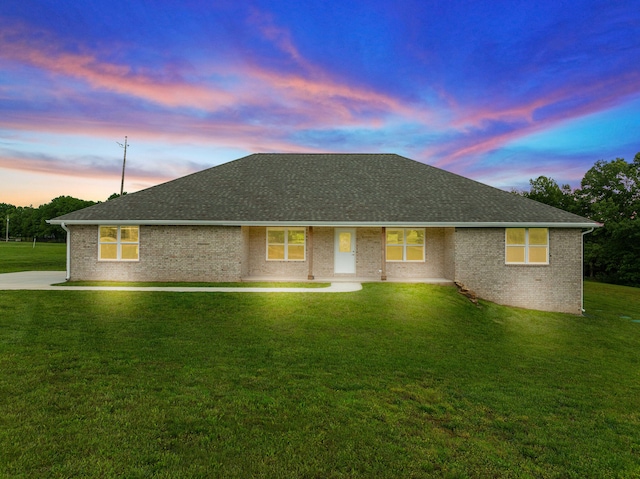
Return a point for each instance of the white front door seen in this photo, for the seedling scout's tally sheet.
(345, 248)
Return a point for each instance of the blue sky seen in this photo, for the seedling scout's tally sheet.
(497, 91)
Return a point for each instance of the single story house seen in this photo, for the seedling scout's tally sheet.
(334, 216)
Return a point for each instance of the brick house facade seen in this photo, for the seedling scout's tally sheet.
(238, 253)
(332, 217)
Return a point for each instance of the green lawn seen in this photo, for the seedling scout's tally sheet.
(16, 257)
(395, 381)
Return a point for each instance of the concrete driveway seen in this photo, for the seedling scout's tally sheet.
(43, 281)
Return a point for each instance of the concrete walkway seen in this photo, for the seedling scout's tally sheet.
(43, 281)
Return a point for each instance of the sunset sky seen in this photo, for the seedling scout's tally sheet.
(498, 91)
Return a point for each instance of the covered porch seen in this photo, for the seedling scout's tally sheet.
(349, 253)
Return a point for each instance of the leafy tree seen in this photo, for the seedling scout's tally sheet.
(610, 194)
(116, 195)
(6, 210)
(23, 222)
(28, 222)
(546, 190)
(610, 191)
(57, 207)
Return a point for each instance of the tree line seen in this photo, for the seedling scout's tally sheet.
(609, 193)
(26, 223)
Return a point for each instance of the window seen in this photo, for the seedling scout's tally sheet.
(286, 244)
(405, 244)
(119, 243)
(527, 246)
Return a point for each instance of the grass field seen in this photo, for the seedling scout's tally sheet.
(16, 257)
(398, 380)
(394, 381)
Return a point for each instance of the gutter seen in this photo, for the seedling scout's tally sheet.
(584, 233)
(334, 224)
(64, 227)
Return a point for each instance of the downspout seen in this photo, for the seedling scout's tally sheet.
(64, 227)
(582, 271)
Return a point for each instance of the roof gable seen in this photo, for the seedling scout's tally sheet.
(270, 188)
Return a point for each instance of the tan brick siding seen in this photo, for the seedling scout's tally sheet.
(449, 253)
(473, 256)
(167, 253)
(259, 266)
(480, 266)
(368, 255)
(246, 254)
(434, 265)
(323, 247)
(438, 251)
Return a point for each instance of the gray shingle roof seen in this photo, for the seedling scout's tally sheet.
(314, 189)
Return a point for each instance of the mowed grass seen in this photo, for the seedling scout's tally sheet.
(24, 256)
(398, 380)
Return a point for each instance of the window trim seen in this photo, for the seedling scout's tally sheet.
(404, 246)
(286, 230)
(119, 243)
(527, 247)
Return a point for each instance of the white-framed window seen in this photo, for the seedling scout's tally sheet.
(286, 244)
(527, 245)
(405, 244)
(119, 243)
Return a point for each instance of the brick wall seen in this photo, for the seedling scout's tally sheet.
(438, 251)
(258, 264)
(480, 266)
(323, 247)
(368, 255)
(167, 253)
(246, 253)
(436, 258)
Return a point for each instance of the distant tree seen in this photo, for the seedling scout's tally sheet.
(610, 190)
(6, 210)
(57, 207)
(116, 195)
(610, 193)
(546, 190)
(23, 222)
(27, 222)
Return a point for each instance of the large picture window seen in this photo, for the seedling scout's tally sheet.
(286, 244)
(119, 243)
(527, 246)
(405, 244)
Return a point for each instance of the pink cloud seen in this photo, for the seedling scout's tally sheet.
(112, 77)
(281, 37)
(464, 149)
(312, 88)
(310, 96)
(595, 96)
(42, 164)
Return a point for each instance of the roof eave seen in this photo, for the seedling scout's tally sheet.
(388, 224)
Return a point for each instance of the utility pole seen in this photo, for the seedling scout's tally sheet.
(124, 161)
(7, 238)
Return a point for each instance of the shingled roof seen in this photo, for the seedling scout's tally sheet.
(324, 189)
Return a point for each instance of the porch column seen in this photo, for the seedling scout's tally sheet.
(383, 254)
(310, 251)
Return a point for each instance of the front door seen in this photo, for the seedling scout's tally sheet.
(345, 248)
